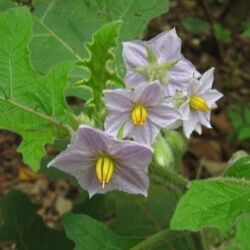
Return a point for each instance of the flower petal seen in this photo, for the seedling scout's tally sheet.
(185, 110)
(134, 54)
(90, 141)
(190, 124)
(131, 180)
(88, 181)
(193, 87)
(163, 115)
(182, 73)
(198, 129)
(72, 162)
(167, 46)
(135, 80)
(145, 134)
(149, 94)
(134, 155)
(204, 118)
(206, 81)
(211, 96)
(115, 120)
(118, 99)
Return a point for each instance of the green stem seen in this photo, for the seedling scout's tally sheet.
(155, 239)
(39, 114)
(173, 188)
(169, 176)
(203, 240)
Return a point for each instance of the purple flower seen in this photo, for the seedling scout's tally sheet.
(139, 113)
(158, 59)
(101, 163)
(200, 100)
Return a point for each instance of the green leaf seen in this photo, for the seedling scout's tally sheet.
(20, 223)
(240, 169)
(195, 25)
(222, 34)
(88, 233)
(240, 117)
(149, 215)
(5, 5)
(212, 203)
(62, 26)
(246, 32)
(100, 59)
(30, 105)
(243, 232)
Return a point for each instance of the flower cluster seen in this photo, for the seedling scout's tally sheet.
(163, 90)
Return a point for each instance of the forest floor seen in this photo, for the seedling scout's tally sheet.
(207, 154)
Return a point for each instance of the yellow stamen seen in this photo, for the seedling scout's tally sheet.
(104, 169)
(199, 104)
(139, 115)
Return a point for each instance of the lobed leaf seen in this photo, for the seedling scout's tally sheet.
(30, 105)
(100, 59)
(61, 26)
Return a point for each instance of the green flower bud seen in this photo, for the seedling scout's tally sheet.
(176, 141)
(163, 154)
(82, 118)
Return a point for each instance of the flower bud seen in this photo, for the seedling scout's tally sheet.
(176, 141)
(76, 120)
(163, 154)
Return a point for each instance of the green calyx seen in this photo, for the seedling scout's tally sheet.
(179, 99)
(154, 70)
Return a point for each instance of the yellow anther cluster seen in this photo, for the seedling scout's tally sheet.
(139, 115)
(104, 169)
(199, 104)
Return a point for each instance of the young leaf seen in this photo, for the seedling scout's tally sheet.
(61, 26)
(88, 233)
(22, 225)
(30, 105)
(240, 169)
(100, 58)
(212, 203)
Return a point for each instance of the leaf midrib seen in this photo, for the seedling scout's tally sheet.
(41, 115)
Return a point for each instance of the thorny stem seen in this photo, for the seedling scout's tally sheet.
(170, 177)
(156, 238)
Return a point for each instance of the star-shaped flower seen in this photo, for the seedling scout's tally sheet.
(158, 59)
(102, 163)
(138, 113)
(199, 101)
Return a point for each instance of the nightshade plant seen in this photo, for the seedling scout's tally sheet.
(137, 100)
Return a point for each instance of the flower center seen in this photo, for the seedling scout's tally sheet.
(199, 104)
(155, 70)
(139, 115)
(104, 169)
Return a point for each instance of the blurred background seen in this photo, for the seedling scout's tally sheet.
(215, 33)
